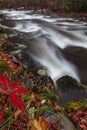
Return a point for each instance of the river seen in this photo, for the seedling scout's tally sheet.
(59, 43)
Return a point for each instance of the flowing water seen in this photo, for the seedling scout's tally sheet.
(59, 43)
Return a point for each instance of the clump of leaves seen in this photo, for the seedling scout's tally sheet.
(5, 57)
(22, 120)
(77, 112)
(12, 90)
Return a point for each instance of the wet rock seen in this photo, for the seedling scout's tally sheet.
(11, 48)
(1, 30)
(69, 89)
(4, 27)
(78, 56)
(12, 35)
(16, 52)
(20, 57)
(2, 17)
(14, 59)
(65, 123)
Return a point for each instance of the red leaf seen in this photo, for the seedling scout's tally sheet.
(17, 102)
(15, 85)
(21, 91)
(4, 82)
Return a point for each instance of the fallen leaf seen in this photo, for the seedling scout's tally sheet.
(42, 124)
(16, 114)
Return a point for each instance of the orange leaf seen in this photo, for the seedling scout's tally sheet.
(31, 75)
(42, 124)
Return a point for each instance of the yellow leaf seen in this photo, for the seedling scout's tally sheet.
(42, 124)
(16, 114)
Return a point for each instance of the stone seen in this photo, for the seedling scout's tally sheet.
(69, 89)
(42, 71)
(59, 116)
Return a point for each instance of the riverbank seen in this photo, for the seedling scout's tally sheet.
(32, 107)
(50, 12)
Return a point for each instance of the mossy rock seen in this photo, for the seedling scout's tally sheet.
(67, 82)
(76, 105)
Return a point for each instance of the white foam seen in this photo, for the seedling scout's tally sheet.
(77, 38)
(30, 27)
(57, 67)
(23, 15)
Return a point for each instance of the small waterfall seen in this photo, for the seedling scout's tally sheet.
(52, 58)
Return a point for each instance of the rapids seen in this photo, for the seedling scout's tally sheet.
(47, 38)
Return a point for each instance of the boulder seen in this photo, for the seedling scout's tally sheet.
(69, 89)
